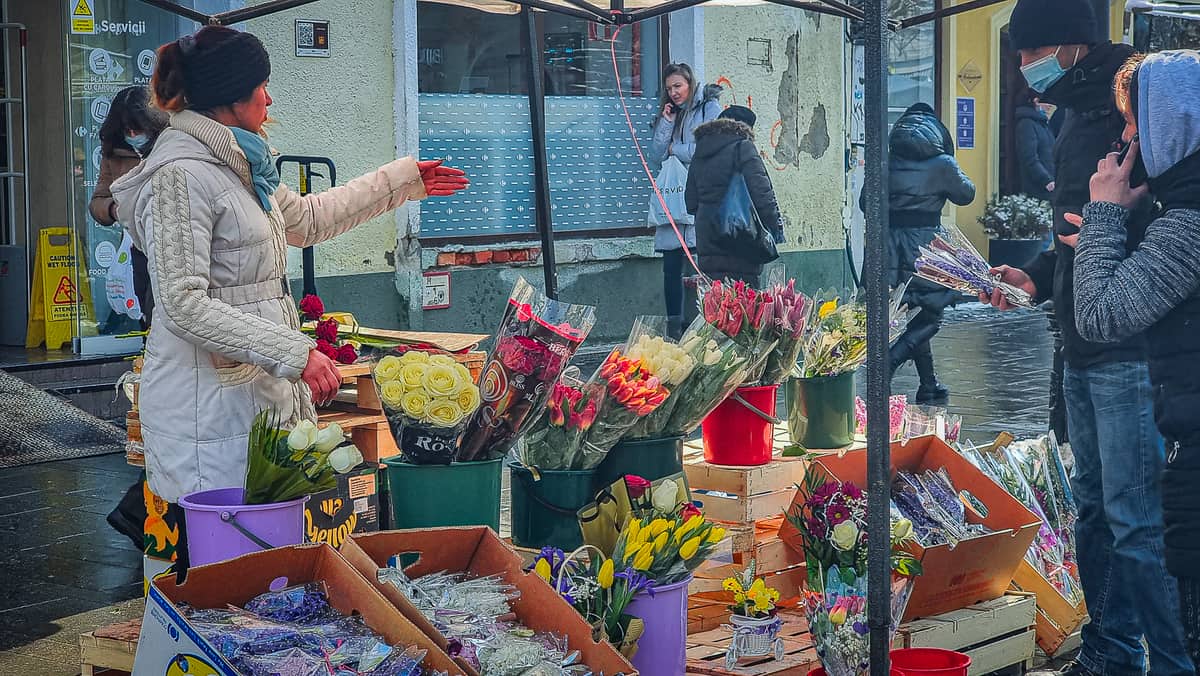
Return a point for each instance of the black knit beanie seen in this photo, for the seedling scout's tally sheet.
(1049, 23)
(225, 72)
(741, 114)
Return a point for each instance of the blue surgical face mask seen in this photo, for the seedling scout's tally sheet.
(137, 142)
(1045, 72)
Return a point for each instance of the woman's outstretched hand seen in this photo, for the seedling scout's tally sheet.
(441, 181)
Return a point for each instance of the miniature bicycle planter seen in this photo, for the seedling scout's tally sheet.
(754, 637)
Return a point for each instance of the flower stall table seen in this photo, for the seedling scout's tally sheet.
(996, 635)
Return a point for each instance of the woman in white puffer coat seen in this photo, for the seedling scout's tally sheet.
(208, 209)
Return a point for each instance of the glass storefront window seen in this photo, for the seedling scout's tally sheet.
(120, 53)
(913, 66)
(474, 112)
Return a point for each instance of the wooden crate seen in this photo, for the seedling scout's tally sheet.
(1057, 618)
(109, 649)
(996, 635)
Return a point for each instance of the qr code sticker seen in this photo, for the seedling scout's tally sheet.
(304, 35)
(361, 505)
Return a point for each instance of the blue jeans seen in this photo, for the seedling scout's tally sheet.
(1119, 458)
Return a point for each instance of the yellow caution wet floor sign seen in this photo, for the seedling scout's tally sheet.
(83, 19)
(55, 300)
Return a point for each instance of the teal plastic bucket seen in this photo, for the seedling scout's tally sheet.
(434, 496)
(821, 411)
(650, 459)
(544, 506)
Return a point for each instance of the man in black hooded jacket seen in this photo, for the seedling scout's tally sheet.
(1119, 454)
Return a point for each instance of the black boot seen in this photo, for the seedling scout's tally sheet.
(129, 517)
(930, 391)
(675, 327)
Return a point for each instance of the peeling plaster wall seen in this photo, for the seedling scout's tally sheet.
(338, 107)
(788, 66)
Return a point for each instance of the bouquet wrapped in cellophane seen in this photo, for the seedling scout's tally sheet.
(555, 441)
(1032, 471)
(536, 339)
(666, 360)
(283, 465)
(952, 261)
(632, 393)
(721, 366)
(832, 522)
(426, 400)
(787, 323)
(837, 341)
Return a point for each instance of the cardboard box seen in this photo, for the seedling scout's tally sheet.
(167, 641)
(1057, 618)
(352, 507)
(974, 571)
(477, 550)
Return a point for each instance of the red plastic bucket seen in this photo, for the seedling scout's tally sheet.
(930, 662)
(741, 430)
(820, 671)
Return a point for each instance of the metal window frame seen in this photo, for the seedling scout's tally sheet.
(878, 25)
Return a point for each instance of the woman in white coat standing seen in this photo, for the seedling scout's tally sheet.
(208, 209)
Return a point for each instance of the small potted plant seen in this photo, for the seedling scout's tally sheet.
(1017, 227)
(755, 624)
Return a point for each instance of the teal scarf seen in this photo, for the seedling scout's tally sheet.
(263, 174)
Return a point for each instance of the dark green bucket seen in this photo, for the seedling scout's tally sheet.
(821, 411)
(544, 507)
(432, 496)
(651, 459)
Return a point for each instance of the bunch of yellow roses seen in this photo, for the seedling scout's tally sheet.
(667, 549)
(431, 390)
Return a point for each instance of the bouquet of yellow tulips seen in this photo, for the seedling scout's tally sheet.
(751, 596)
(666, 546)
(427, 400)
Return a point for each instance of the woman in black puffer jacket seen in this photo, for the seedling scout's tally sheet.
(724, 147)
(922, 176)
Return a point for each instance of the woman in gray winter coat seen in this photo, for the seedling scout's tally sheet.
(1154, 287)
(685, 106)
(922, 176)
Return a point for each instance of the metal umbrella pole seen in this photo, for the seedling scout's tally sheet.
(878, 381)
(304, 163)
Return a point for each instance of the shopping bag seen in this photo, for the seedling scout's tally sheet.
(602, 520)
(739, 229)
(672, 181)
(118, 283)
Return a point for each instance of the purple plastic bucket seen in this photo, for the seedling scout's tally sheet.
(662, 650)
(220, 527)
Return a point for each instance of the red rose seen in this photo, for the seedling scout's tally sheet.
(312, 307)
(636, 486)
(327, 349)
(346, 354)
(327, 330)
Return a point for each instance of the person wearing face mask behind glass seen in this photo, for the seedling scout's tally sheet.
(127, 135)
(1119, 454)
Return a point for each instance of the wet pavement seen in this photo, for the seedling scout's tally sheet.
(68, 572)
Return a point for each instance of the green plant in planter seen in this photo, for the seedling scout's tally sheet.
(1017, 217)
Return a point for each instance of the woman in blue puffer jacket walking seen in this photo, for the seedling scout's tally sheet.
(685, 106)
(922, 176)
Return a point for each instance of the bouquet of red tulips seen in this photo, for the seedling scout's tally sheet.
(632, 393)
(555, 440)
(787, 322)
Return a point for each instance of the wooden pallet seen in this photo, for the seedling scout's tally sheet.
(996, 635)
(109, 650)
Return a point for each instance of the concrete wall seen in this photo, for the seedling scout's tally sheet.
(789, 66)
(338, 107)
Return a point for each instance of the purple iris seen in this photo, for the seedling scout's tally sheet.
(861, 628)
(636, 582)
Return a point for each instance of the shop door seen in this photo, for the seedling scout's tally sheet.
(110, 45)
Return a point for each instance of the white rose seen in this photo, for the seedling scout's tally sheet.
(845, 536)
(303, 436)
(345, 458)
(665, 497)
(329, 438)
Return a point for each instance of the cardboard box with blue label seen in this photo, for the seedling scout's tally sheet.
(352, 507)
(170, 646)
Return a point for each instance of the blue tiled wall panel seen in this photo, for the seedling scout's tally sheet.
(596, 179)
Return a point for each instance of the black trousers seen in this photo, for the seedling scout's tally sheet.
(674, 262)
